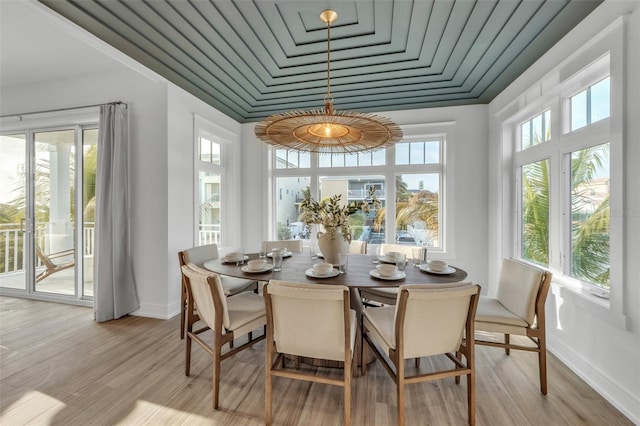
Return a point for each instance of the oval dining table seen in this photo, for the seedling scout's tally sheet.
(358, 276)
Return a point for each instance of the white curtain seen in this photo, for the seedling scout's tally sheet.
(115, 289)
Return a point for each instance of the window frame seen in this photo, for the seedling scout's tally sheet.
(601, 57)
(427, 132)
(201, 127)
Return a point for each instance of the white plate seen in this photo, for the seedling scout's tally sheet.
(312, 274)
(229, 260)
(387, 259)
(284, 254)
(265, 268)
(447, 271)
(398, 275)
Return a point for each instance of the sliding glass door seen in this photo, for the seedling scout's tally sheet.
(47, 212)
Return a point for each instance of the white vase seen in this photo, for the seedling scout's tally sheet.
(331, 245)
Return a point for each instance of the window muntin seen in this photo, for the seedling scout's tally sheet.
(590, 214)
(590, 105)
(288, 159)
(375, 158)
(535, 130)
(209, 151)
(427, 152)
(534, 212)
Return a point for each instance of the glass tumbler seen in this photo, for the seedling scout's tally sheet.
(343, 262)
(374, 252)
(416, 255)
(263, 250)
(277, 259)
(401, 261)
(239, 256)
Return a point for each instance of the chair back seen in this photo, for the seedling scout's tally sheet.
(206, 289)
(309, 320)
(400, 248)
(200, 254)
(432, 319)
(519, 288)
(358, 247)
(294, 246)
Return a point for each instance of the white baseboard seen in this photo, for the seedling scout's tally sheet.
(158, 311)
(617, 396)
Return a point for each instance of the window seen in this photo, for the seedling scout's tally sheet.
(412, 173)
(590, 105)
(577, 166)
(286, 159)
(534, 219)
(536, 130)
(209, 184)
(590, 213)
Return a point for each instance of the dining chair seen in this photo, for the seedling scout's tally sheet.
(387, 295)
(518, 309)
(294, 246)
(230, 285)
(358, 247)
(227, 317)
(427, 320)
(308, 320)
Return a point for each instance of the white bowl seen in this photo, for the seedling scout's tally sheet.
(322, 268)
(256, 264)
(438, 265)
(392, 254)
(386, 270)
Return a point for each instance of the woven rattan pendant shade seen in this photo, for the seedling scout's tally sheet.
(326, 130)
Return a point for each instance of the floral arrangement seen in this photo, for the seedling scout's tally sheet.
(330, 214)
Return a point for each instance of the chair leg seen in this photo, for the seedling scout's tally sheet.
(471, 398)
(507, 341)
(459, 358)
(267, 392)
(183, 311)
(347, 390)
(417, 361)
(187, 356)
(400, 390)
(542, 364)
(216, 374)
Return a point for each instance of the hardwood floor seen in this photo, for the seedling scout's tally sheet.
(59, 367)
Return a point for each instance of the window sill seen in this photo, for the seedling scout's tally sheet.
(573, 292)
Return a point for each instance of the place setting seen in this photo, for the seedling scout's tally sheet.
(322, 270)
(257, 266)
(388, 272)
(237, 257)
(439, 267)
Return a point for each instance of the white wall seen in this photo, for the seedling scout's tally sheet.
(602, 352)
(181, 180)
(466, 179)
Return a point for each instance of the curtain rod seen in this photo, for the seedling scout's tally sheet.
(62, 109)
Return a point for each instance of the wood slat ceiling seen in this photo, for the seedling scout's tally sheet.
(251, 59)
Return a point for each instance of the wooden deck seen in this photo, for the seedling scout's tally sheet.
(59, 367)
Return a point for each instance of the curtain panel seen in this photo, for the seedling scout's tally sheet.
(115, 292)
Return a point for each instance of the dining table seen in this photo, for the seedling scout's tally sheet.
(360, 274)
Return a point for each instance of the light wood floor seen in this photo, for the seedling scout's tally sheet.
(59, 367)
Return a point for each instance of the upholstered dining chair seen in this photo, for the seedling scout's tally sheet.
(227, 317)
(518, 309)
(387, 295)
(358, 247)
(294, 246)
(230, 285)
(308, 320)
(427, 320)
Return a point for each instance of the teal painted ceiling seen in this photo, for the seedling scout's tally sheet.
(251, 59)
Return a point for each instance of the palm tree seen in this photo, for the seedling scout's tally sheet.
(590, 229)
